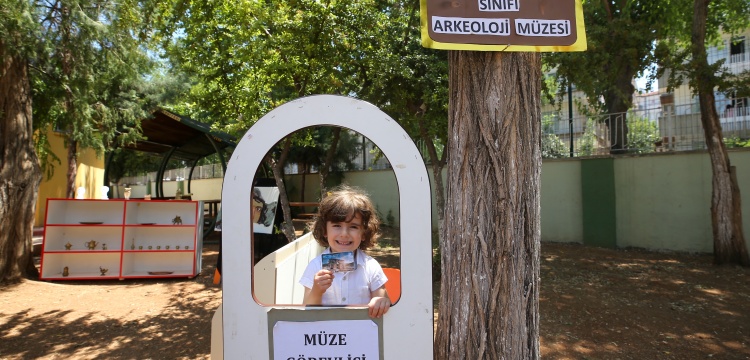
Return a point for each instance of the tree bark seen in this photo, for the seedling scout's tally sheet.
(618, 100)
(67, 60)
(20, 172)
(73, 170)
(328, 162)
(277, 166)
(489, 304)
(726, 210)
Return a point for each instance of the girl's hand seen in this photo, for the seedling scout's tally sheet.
(322, 281)
(378, 306)
(380, 303)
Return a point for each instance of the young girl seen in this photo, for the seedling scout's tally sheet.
(346, 221)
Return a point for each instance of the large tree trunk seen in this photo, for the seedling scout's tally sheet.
(489, 303)
(726, 212)
(277, 166)
(328, 162)
(20, 173)
(73, 171)
(67, 64)
(618, 100)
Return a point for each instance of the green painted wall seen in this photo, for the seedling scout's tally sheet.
(598, 201)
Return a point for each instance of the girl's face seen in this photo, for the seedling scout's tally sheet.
(345, 235)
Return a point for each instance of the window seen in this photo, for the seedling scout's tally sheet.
(737, 50)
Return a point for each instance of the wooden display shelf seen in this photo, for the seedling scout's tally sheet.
(124, 226)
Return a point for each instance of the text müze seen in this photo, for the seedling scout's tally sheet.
(323, 339)
(535, 27)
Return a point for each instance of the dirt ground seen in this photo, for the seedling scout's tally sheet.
(595, 304)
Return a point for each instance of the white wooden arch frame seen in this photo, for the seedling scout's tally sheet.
(408, 326)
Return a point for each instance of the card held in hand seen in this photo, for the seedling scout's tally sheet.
(343, 261)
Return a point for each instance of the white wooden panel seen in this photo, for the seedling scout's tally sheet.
(409, 324)
(289, 271)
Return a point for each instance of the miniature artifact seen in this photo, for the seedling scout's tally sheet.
(103, 270)
(149, 247)
(140, 247)
(158, 247)
(104, 246)
(177, 220)
(91, 244)
(167, 247)
(186, 247)
(65, 271)
(132, 244)
(178, 247)
(68, 246)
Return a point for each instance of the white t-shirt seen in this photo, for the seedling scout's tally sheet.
(349, 287)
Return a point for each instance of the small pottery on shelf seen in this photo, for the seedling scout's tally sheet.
(68, 246)
(177, 247)
(104, 246)
(140, 247)
(177, 220)
(150, 247)
(65, 272)
(158, 247)
(160, 272)
(167, 247)
(103, 270)
(91, 245)
(187, 247)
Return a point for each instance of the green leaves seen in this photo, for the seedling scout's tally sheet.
(89, 74)
(252, 56)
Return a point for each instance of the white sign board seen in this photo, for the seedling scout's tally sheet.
(337, 339)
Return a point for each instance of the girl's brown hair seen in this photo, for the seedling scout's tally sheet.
(341, 204)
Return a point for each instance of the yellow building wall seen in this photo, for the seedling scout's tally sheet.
(90, 175)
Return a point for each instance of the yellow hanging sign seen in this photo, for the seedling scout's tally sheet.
(503, 25)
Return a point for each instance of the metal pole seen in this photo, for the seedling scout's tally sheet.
(570, 117)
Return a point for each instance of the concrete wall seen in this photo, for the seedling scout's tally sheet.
(202, 189)
(664, 201)
(657, 201)
(380, 184)
(561, 201)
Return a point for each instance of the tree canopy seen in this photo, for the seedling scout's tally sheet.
(89, 72)
(622, 42)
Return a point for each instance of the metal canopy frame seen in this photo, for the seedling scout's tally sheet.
(173, 136)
